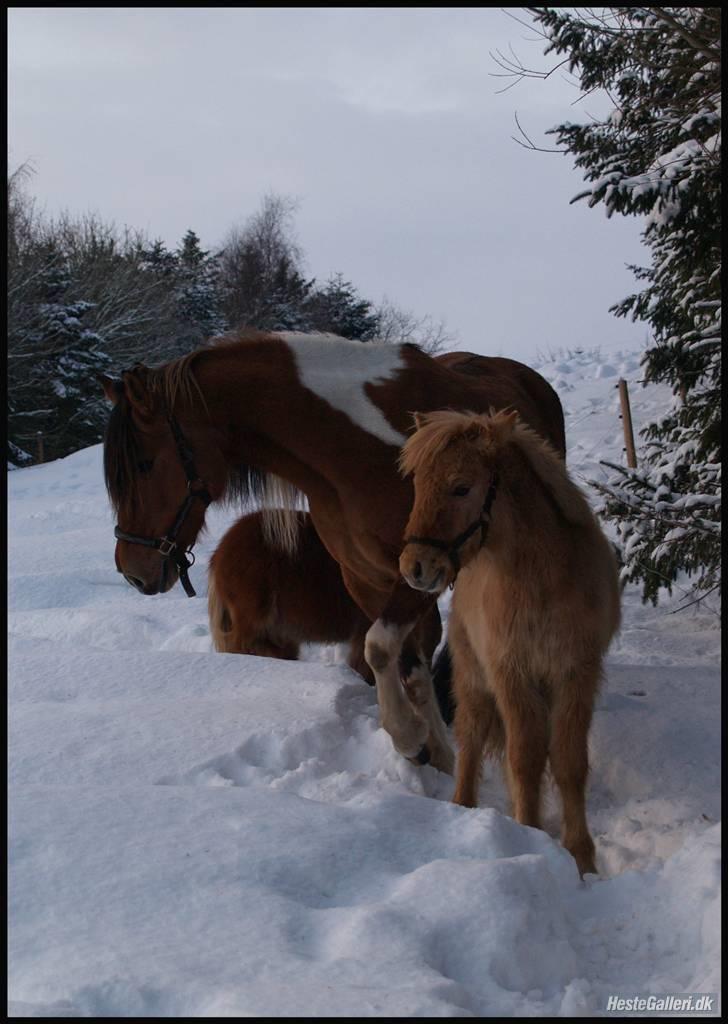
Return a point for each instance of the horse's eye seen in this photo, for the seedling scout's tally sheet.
(145, 466)
(461, 491)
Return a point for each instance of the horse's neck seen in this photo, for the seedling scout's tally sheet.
(522, 530)
(539, 513)
(298, 400)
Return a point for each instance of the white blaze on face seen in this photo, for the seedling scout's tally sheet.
(337, 369)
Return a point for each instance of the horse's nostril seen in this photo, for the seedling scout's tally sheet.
(417, 571)
(134, 581)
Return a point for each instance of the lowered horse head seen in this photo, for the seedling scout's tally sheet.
(453, 458)
(155, 479)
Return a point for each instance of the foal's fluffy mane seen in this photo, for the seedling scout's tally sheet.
(492, 434)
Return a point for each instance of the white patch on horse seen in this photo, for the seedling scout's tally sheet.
(337, 369)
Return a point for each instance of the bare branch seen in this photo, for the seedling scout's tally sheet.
(529, 143)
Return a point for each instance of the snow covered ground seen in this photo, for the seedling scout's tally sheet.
(196, 834)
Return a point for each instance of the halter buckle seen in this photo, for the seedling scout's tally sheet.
(166, 547)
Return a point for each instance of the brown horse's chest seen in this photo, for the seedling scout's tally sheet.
(359, 552)
(504, 621)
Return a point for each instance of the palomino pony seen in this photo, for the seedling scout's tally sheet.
(325, 416)
(266, 601)
(535, 603)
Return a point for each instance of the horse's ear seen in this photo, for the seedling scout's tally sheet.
(113, 389)
(507, 420)
(502, 424)
(136, 388)
(475, 431)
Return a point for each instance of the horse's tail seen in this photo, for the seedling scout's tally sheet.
(220, 622)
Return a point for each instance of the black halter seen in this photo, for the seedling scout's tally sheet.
(167, 545)
(451, 548)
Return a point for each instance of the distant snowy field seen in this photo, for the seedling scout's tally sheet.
(196, 834)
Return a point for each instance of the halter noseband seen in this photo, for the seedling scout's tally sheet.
(167, 545)
(452, 547)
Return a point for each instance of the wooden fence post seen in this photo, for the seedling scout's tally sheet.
(40, 448)
(627, 424)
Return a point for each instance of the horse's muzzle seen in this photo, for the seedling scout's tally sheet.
(143, 588)
(424, 579)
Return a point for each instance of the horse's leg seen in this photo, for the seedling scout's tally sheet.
(474, 713)
(356, 660)
(415, 725)
(570, 720)
(525, 719)
(382, 646)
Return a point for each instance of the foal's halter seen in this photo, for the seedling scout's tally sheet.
(167, 545)
(451, 548)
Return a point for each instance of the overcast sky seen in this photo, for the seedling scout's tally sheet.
(384, 123)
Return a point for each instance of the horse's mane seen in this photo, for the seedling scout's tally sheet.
(176, 382)
(551, 470)
(493, 434)
(247, 487)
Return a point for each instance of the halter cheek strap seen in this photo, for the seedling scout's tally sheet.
(452, 548)
(167, 545)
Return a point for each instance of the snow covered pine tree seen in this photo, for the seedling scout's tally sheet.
(657, 155)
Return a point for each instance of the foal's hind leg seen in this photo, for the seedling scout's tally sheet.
(525, 719)
(475, 713)
(571, 718)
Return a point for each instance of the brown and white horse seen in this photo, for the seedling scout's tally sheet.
(535, 603)
(326, 416)
(267, 601)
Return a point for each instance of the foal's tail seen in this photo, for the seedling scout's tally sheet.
(221, 627)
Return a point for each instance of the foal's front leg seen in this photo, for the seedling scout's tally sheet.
(410, 715)
(475, 712)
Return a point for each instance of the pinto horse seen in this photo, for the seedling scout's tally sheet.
(535, 603)
(325, 416)
(265, 601)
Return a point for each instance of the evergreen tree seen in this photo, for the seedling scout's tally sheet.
(657, 155)
(339, 309)
(198, 293)
(61, 394)
(158, 259)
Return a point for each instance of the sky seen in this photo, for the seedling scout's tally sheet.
(386, 125)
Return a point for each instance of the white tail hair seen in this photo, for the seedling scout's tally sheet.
(281, 502)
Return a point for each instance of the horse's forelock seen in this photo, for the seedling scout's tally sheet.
(121, 457)
(438, 430)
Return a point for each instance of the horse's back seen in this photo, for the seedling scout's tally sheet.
(301, 592)
(540, 405)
